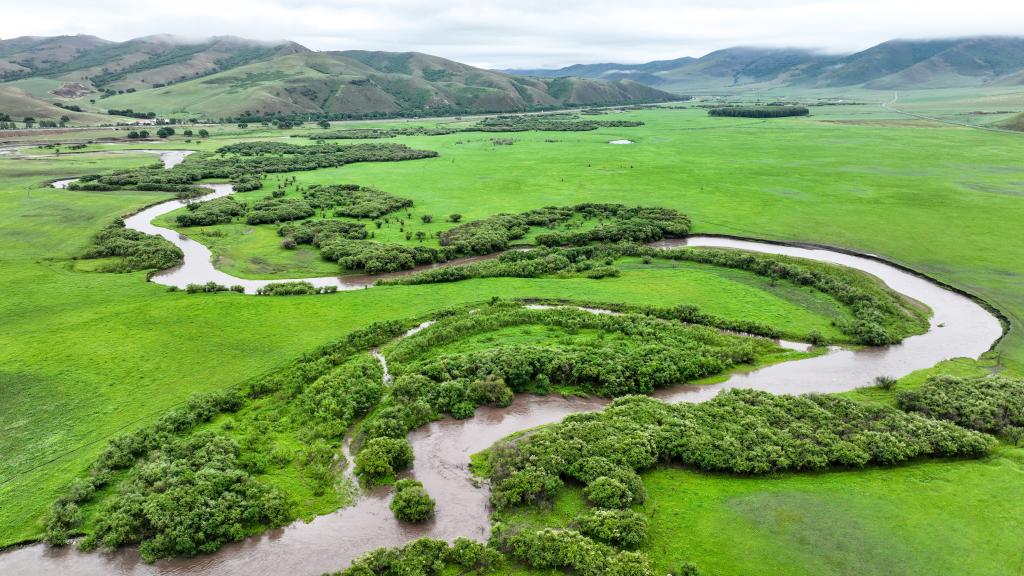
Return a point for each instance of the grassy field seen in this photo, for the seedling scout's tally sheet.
(85, 356)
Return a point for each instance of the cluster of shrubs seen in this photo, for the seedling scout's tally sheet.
(411, 502)
(354, 201)
(192, 495)
(548, 123)
(638, 354)
(738, 431)
(637, 224)
(880, 316)
(272, 210)
(315, 232)
(216, 211)
(377, 257)
(427, 557)
(295, 288)
(993, 404)
(564, 549)
(759, 111)
(135, 250)
(212, 286)
(243, 164)
(507, 123)
(125, 451)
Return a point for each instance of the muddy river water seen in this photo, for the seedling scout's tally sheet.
(960, 327)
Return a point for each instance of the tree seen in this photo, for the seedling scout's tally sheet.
(242, 125)
(324, 124)
(427, 218)
(187, 133)
(455, 217)
(65, 119)
(203, 133)
(143, 133)
(165, 131)
(421, 235)
(411, 502)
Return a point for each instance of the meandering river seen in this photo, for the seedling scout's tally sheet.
(959, 327)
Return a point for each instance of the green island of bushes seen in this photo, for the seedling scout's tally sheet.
(506, 123)
(759, 111)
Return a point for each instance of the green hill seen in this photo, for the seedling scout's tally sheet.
(358, 84)
(896, 64)
(228, 77)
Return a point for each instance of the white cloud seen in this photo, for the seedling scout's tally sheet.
(526, 33)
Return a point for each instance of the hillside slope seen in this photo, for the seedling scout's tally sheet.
(896, 64)
(360, 84)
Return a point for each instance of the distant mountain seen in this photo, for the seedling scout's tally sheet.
(226, 77)
(897, 64)
(136, 64)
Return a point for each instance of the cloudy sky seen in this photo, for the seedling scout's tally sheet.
(526, 33)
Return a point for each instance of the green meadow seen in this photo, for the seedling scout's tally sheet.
(86, 356)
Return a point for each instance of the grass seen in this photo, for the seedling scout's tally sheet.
(87, 355)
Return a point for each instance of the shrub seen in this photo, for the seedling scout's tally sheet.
(216, 211)
(271, 210)
(380, 458)
(354, 201)
(137, 251)
(623, 528)
(988, 404)
(411, 502)
(759, 111)
(608, 492)
(491, 391)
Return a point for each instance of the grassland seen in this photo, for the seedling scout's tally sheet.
(85, 356)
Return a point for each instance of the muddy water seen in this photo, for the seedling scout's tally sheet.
(959, 327)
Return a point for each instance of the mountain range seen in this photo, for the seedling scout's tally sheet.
(896, 64)
(228, 77)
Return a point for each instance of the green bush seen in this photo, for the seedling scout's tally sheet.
(411, 502)
(380, 458)
(623, 528)
(992, 404)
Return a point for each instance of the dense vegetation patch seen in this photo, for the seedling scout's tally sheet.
(244, 165)
(273, 210)
(880, 316)
(990, 404)
(506, 123)
(411, 502)
(216, 211)
(296, 288)
(354, 201)
(427, 557)
(614, 222)
(315, 232)
(739, 431)
(759, 111)
(134, 250)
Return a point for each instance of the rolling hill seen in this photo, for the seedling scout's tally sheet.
(896, 64)
(227, 77)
